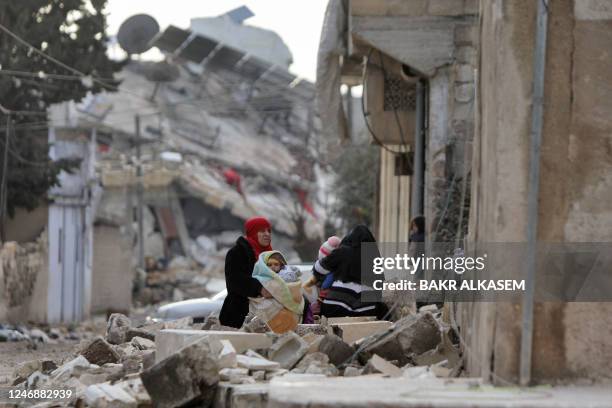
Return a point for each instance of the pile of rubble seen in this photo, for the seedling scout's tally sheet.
(177, 363)
(35, 335)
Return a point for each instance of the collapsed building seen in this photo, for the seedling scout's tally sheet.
(223, 135)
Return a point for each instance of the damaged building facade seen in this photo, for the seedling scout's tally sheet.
(451, 84)
(418, 103)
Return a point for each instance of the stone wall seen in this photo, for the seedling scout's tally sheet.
(21, 266)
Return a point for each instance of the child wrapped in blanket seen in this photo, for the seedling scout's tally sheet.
(284, 310)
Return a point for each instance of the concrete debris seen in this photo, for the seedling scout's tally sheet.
(256, 363)
(142, 344)
(40, 336)
(259, 375)
(227, 356)
(288, 350)
(316, 363)
(378, 364)
(417, 372)
(276, 373)
(188, 376)
(12, 335)
(304, 329)
(71, 368)
(313, 341)
(168, 341)
(352, 371)
(336, 349)
(353, 331)
(99, 352)
(428, 308)
(412, 335)
(226, 374)
(140, 332)
(117, 328)
(106, 395)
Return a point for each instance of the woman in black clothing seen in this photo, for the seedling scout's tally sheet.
(239, 263)
(346, 295)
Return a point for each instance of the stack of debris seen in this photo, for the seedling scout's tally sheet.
(176, 363)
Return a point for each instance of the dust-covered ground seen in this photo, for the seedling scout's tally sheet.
(13, 353)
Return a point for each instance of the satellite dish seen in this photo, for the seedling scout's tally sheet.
(136, 33)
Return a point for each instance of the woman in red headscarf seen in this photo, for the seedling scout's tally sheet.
(239, 263)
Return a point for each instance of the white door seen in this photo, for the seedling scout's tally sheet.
(66, 263)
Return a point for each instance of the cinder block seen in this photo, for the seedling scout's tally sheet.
(170, 340)
(355, 331)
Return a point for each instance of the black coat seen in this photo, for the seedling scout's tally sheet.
(239, 263)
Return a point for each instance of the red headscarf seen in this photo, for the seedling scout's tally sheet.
(251, 227)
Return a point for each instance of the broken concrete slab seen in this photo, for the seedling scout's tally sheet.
(276, 373)
(288, 350)
(255, 363)
(106, 395)
(352, 371)
(69, 369)
(169, 340)
(226, 374)
(241, 395)
(411, 335)
(316, 363)
(313, 341)
(140, 332)
(142, 343)
(352, 331)
(189, 375)
(336, 349)
(357, 319)
(117, 327)
(377, 364)
(227, 355)
(99, 351)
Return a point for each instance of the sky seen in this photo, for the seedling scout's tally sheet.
(298, 22)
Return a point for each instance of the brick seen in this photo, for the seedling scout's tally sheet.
(99, 352)
(288, 350)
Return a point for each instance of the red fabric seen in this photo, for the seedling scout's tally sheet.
(233, 179)
(251, 227)
(303, 199)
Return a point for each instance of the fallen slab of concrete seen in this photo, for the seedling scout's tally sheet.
(373, 390)
(169, 341)
(241, 395)
(352, 331)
